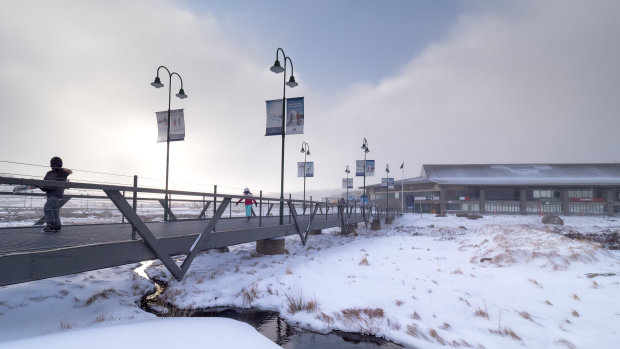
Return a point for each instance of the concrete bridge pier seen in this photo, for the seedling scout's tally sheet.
(376, 224)
(270, 246)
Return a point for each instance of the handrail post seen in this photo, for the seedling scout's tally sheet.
(290, 197)
(214, 199)
(135, 204)
(260, 210)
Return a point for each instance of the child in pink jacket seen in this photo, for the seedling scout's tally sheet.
(248, 203)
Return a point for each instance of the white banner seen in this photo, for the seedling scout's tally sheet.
(274, 117)
(309, 169)
(347, 183)
(177, 125)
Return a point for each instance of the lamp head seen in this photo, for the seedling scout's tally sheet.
(157, 83)
(181, 94)
(308, 152)
(276, 68)
(302, 149)
(291, 82)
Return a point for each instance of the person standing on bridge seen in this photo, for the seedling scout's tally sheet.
(54, 195)
(248, 203)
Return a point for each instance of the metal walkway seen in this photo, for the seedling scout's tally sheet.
(27, 254)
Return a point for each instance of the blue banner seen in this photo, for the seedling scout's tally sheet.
(295, 116)
(359, 168)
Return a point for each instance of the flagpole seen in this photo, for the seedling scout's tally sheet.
(402, 190)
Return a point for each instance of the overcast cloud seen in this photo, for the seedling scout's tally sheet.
(520, 82)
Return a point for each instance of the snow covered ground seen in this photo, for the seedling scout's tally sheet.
(430, 282)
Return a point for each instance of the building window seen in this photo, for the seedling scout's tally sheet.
(502, 207)
(580, 193)
(586, 208)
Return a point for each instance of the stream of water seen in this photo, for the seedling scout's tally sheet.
(269, 324)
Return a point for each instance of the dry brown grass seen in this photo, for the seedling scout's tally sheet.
(66, 325)
(393, 324)
(565, 343)
(362, 320)
(594, 284)
(325, 318)
(548, 302)
(99, 319)
(457, 271)
(415, 316)
(574, 313)
(576, 297)
(398, 302)
(535, 283)
(433, 333)
(525, 315)
(505, 332)
(105, 294)
(364, 262)
(483, 313)
(445, 326)
(465, 301)
(249, 295)
(295, 303)
(414, 331)
(289, 271)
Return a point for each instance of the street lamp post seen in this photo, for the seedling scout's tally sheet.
(277, 68)
(347, 184)
(387, 189)
(157, 84)
(366, 151)
(305, 149)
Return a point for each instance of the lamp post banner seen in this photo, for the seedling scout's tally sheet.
(294, 115)
(387, 182)
(359, 168)
(177, 125)
(347, 183)
(274, 117)
(309, 169)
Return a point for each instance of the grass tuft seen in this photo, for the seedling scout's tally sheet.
(574, 313)
(526, 315)
(100, 295)
(483, 313)
(565, 343)
(433, 333)
(505, 332)
(414, 331)
(364, 262)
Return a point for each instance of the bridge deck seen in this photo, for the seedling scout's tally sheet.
(27, 254)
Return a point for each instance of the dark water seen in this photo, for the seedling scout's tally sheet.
(273, 327)
(270, 325)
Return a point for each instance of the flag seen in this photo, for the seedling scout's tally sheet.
(403, 165)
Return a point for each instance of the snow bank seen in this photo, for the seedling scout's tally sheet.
(160, 333)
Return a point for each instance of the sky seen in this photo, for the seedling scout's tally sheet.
(424, 82)
(419, 282)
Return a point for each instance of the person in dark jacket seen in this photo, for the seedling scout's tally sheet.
(249, 199)
(54, 195)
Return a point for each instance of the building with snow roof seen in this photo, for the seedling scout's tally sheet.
(508, 188)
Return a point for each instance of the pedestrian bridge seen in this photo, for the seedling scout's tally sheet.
(27, 254)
